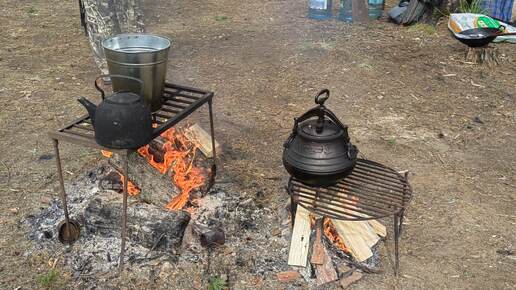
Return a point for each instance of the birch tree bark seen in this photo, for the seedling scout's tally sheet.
(106, 18)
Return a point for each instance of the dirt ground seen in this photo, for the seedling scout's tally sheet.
(409, 98)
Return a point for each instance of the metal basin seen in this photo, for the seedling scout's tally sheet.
(142, 56)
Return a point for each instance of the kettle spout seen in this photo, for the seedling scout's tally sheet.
(91, 107)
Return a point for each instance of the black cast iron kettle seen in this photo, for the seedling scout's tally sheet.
(318, 151)
(121, 120)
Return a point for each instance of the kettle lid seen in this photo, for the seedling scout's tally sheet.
(123, 98)
(330, 130)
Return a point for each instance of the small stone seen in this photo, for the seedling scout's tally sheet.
(443, 134)
(505, 252)
(288, 276)
(46, 157)
(276, 232)
(346, 282)
(379, 97)
(478, 120)
(14, 210)
(247, 203)
(166, 270)
(213, 237)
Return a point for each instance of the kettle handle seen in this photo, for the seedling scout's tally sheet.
(322, 96)
(319, 111)
(103, 93)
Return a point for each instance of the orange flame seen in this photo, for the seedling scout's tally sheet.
(132, 189)
(331, 233)
(107, 154)
(179, 156)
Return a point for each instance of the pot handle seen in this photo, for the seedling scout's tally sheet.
(322, 96)
(103, 93)
(319, 111)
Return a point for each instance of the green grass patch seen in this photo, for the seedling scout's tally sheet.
(392, 141)
(471, 6)
(216, 283)
(221, 18)
(48, 279)
(32, 10)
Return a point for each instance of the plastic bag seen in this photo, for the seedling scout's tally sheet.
(463, 21)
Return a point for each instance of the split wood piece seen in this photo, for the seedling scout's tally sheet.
(325, 272)
(364, 229)
(156, 188)
(147, 225)
(318, 248)
(300, 242)
(353, 239)
(202, 138)
(378, 227)
(359, 10)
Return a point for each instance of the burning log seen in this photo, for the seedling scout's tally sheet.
(155, 188)
(147, 225)
(165, 170)
(325, 272)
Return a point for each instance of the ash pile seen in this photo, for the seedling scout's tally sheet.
(224, 225)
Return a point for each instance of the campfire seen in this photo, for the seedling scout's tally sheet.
(172, 154)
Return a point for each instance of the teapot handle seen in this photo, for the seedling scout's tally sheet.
(103, 94)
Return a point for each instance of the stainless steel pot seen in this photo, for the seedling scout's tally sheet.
(141, 56)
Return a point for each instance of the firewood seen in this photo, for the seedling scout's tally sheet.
(157, 150)
(147, 225)
(156, 188)
(325, 272)
(379, 228)
(366, 232)
(300, 242)
(353, 239)
(202, 138)
(317, 257)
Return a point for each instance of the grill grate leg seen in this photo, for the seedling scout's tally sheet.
(124, 210)
(397, 227)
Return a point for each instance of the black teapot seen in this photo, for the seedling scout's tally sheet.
(122, 120)
(318, 152)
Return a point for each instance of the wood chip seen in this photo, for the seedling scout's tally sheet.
(288, 276)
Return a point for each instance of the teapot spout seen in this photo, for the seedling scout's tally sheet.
(91, 107)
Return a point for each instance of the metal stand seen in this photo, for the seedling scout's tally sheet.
(371, 191)
(80, 132)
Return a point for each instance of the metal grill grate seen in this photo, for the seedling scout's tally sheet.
(370, 191)
(178, 103)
